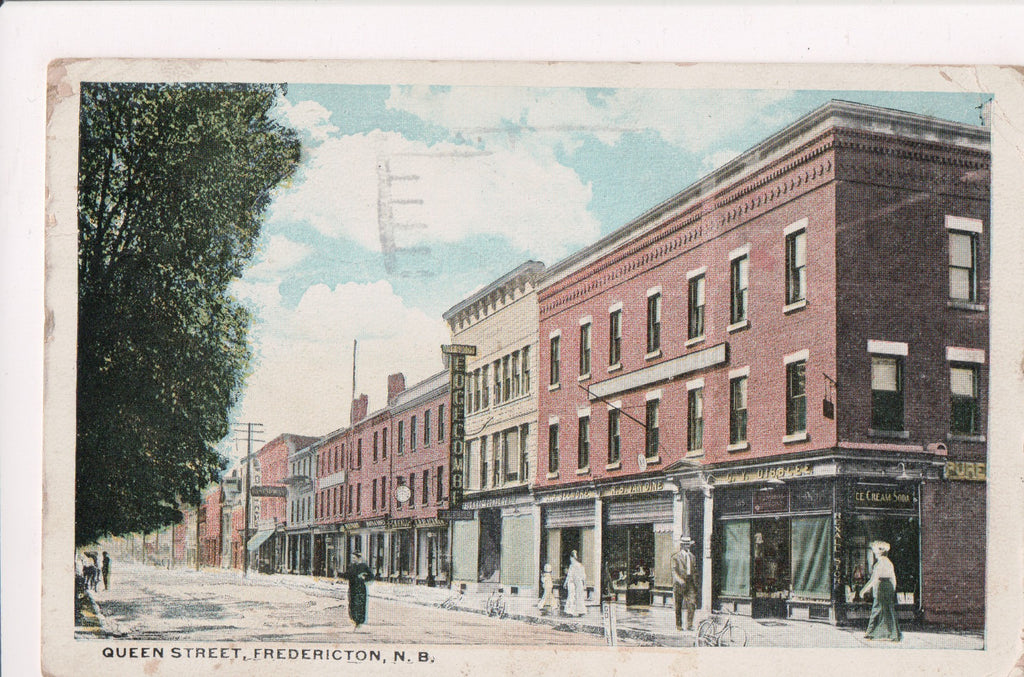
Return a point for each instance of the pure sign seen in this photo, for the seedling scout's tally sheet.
(457, 374)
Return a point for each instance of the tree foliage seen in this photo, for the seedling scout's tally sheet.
(173, 181)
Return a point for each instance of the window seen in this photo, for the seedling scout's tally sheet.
(584, 349)
(738, 410)
(383, 494)
(412, 433)
(383, 444)
(426, 487)
(739, 280)
(963, 262)
(654, 322)
(796, 267)
(485, 388)
(651, 439)
(483, 462)
(964, 412)
(886, 393)
(554, 359)
(440, 422)
(439, 494)
(401, 436)
(614, 441)
(553, 448)
(475, 401)
(359, 453)
(375, 442)
(359, 497)
(695, 327)
(526, 369)
(524, 460)
(615, 337)
(373, 497)
(497, 382)
(516, 376)
(506, 378)
(510, 455)
(412, 489)
(695, 420)
(583, 444)
(796, 397)
(496, 451)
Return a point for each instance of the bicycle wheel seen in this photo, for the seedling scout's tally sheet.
(705, 633)
(733, 636)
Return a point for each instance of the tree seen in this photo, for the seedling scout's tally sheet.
(173, 181)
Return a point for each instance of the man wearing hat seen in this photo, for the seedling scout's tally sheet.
(684, 578)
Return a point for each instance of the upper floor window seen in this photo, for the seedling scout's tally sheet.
(524, 458)
(496, 450)
(506, 378)
(614, 337)
(526, 369)
(517, 377)
(653, 321)
(474, 401)
(963, 266)
(739, 280)
(359, 453)
(485, 387)
(426, 487)
(887, 393)
(439, 492)
(652, 423)
(553, 448)
(498, 397)
(583, 444)
(555, 359)
(375, 443)
(483, 462)
(965, 413)
(695, 419)
(585, 349)
(796, 266)
(614, 439)
(738, 410)
(696, 300)
(412, 433)
(796, 397)
(441, 423)
(383, 443)
(510, 457)
(401, 436)
(426, 428)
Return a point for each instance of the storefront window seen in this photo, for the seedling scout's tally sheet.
(901, 533)
(736, 559)
(812, 557)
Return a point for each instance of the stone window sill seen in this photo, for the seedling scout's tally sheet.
(653, 355)
(653, 460)
(554, 386)
(553, 475)
(583, 377)
(739, 446)
(583, 471)
(966, 305)
(795, 437)
(696, 340)
(742, 324)
(963, 437)
(614, 466)
(889, 434)
(615, 367)
(694, 452)
(795, 306)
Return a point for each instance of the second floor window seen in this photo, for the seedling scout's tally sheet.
(483, 462)
(426, 428)
(963, 278)
(738, 410)
(426, 487)
(526, 369)
(886, 393)
(651, 439)
(653, 322)
(695, 328)
(401, 436)
(485, 387)
(695, 420)
(614, 338)
(584, 349)
(555, 340)
(739, 280)
(441, 423)
(376, 438)
(412, 434)
(796, 397)
(614, 441)
(553, 448)
(583, 444)
(965, 418)
(796, 267)
(439, 492)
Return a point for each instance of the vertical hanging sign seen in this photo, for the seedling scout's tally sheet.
(456, 355)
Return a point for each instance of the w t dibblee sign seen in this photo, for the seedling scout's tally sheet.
(456, 356)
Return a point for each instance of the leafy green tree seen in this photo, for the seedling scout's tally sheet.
(173, 182)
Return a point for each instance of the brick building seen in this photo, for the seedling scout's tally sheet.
(785, 361)
(500, 546)
(301, 480)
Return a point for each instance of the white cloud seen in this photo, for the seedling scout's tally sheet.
(302, 377)
(279, 255)
(308, 117)
(691, 119)
(445, 192)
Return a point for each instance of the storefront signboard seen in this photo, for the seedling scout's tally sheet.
(430, 522)
(964, 471)
(783, 472)
(496, 501)
(457, 438)
(632, 489)
(881, 496)
(404, 523)
(375, 523)
(579, 494)
(771, 500)
(457, 515)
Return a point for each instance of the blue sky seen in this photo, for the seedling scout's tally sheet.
(409, 198)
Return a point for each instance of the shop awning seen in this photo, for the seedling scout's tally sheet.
(260, 538)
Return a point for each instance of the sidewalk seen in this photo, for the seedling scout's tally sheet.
(653, 626)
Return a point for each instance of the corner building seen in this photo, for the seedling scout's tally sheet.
(785, 361)
(499, 547)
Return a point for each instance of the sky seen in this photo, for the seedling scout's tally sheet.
(409, 198)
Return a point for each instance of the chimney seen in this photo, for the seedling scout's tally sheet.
(396, 386)
(360, 407)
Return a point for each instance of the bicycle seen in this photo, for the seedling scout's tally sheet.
(496, 603)
(453, 601)
(712, 631)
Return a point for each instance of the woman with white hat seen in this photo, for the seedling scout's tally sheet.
(882, 624)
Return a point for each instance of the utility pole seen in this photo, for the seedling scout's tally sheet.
(250, 428)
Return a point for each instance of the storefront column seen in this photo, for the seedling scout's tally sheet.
(709, 521)
(538, 529)
(598, 548)
(387, 553)
(680, 518)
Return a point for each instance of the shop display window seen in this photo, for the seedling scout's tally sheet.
(901, 533)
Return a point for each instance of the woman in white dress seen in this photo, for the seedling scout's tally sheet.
(575, 587)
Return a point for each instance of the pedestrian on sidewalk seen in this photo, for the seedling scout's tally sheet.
(547, 600)
(575, 587)
(684, 583)
(358, 574)
(106, 571)
(882, 623)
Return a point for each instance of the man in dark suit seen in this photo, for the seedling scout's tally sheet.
(684, 582)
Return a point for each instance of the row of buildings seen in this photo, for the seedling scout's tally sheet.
(785, 362)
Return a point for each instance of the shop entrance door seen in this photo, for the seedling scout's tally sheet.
(770, 566)
(629, 561)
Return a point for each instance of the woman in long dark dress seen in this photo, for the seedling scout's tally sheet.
(358, 574)
(882, 623)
